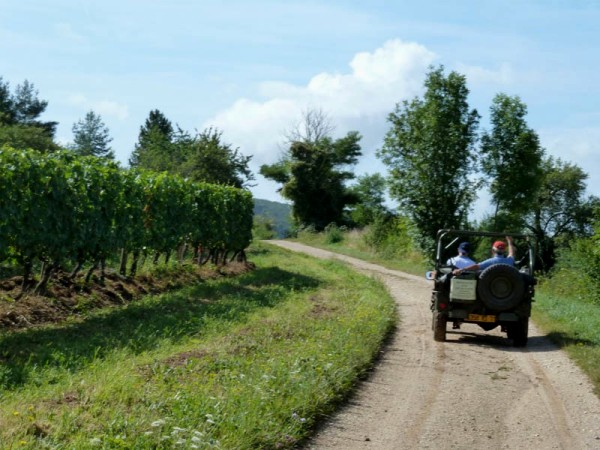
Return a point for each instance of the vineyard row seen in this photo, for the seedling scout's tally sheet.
(61, 209)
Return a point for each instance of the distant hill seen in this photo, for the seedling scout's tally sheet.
(279, 213)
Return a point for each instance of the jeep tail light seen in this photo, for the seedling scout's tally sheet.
(442, 305)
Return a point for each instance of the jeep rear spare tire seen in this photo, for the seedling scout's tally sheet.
(500, 287)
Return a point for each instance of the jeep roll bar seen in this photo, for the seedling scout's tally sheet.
(459, 233)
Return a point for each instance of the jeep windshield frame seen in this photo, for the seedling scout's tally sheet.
(455, 235)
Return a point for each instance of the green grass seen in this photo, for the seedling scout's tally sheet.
(353, 244)
(574, 325)
(247, 362)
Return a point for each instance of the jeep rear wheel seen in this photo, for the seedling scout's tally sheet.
(518, 332)
(439, 326)
(500, 287)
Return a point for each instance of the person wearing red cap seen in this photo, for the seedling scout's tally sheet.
(499, 257)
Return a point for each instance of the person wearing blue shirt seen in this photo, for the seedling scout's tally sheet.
(499, 257)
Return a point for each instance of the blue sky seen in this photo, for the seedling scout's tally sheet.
(251, 68)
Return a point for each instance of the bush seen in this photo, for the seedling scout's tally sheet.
(576, 273)
(334, 234)
(263, 228)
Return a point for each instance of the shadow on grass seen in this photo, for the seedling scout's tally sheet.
(141, 326)
(558, 340)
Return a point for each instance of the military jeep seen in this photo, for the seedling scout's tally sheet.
(500, 295)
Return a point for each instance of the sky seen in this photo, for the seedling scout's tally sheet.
(251, 69)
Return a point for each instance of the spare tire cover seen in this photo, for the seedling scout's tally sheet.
(500, 287)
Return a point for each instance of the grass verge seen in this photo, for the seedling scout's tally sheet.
(247, 362)
(352, 244)
(574, 325)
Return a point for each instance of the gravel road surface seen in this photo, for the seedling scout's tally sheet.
(474, 391)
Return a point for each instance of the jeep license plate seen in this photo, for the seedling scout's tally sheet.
(481, 318)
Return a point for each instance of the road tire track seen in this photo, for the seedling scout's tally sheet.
(473, 391)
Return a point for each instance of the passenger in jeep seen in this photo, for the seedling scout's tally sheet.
(462, 259)
(499, 257)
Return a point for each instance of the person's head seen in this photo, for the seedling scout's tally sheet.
(499, 248)
(464, 248)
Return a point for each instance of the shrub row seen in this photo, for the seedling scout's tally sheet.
(59, 207)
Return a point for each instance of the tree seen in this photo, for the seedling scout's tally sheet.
(313, 126)
(312, 172)
(91, 137)
(560, 212)
(511, 160)
(200, 157)
(429, 153)
(155, 135)
(370, 191)
(20, 126)
(205, 157)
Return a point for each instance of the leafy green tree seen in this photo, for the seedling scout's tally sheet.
(20, 126)
(200, 157)
(560, 211)
(91, 137)
(370, 191)
(155, 135)
(511, 160)
(205, 157)
(429, 151)
(314, 179)
(26, 136)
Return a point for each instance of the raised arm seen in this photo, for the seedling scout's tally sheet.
(511, 247)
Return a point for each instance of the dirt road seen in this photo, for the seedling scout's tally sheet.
(474, 391)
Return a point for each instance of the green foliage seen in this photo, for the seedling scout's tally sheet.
(200, 157)
(280, 214)
(313, 178)
(512, 161)
(91, 137)
(263, 228)
(333, 234)
(429, 153)
(60, 207)
(23, 108)
(205, 157)
(370, 191)
(26, 136)
(157, 131)
(576, 273)
(391, 236)
(236, 363)
(560, 212)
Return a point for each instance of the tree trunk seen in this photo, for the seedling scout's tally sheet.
(134, 263)
(88, 276)
(123, 263)
(47, 273)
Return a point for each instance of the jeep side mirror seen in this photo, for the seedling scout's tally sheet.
(430, 275)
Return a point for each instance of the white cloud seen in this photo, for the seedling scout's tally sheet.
(376, 82)
(503, 75)
(105, 108)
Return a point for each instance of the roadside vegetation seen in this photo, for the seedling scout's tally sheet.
(252, 361)
(567, 305)
(387, 244)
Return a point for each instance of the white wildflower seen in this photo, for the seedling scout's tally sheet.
(157, 423)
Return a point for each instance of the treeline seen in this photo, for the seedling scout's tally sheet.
(438, 164)
(65, 210)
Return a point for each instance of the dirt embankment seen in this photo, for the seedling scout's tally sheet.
(474, 391)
